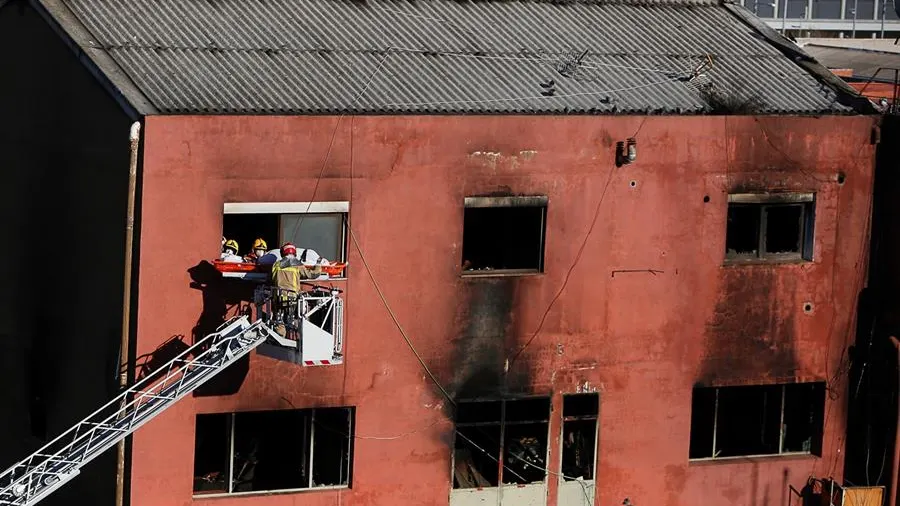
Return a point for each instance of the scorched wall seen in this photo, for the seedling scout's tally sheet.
(642, 340)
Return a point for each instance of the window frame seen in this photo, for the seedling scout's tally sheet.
(806, 201)
(502, 423)
(817, 425)
(579, 418)
(351, 410)
(298, 208)
(505, 202)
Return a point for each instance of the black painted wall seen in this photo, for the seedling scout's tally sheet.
(873, 381)
(63, 183)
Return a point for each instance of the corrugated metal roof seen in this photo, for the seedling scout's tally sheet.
(447, 57)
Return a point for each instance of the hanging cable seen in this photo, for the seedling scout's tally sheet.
(568, 272)
(396, 322)
(334, 134)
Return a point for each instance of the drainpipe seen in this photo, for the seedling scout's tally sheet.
(894, 470)
(124, 368)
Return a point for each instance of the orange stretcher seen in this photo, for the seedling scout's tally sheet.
(334, 270)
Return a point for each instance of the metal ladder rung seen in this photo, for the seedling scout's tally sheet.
(105, 426)
(50, 458)
(153, 397)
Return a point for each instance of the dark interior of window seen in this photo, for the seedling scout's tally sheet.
(477, 446)
(478, 412)
(266, 456)
(784, 228)
(332, 442)
(803, 417)
(587, 405)
(748, 420)
(525, 440)
(273, 450)
(503, 238)
(245, 228)
(742, 233)
(580, 413)
(756, 420)
(517, 430)
(475, 453)
(211, 453)
(323, 233)
(769, 231)
(703, 416)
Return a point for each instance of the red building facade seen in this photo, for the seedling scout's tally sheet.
(634, 300)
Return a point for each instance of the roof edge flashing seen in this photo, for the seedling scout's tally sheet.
(846, 94)
(97, 61)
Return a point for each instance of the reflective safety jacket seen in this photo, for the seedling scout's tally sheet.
(288, 273)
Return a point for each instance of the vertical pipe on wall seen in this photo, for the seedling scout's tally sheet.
(894, 469)
(134, 138)
(784, 17)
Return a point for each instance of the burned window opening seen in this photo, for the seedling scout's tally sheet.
(500, 442)
(503, 238)
(579, 444)
(784, 228)
(211, 441)
(769, 227)
(324, 233)
(333, 447)
(254, 453)
(742, 236)
(757, 420)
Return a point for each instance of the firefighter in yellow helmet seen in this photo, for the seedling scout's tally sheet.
(257, 251)
(229, 252)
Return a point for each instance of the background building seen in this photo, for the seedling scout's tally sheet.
(829, 18)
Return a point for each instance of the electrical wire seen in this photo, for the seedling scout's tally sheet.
(543, 469)
(798, 166)
(334, 135)
(569, 271)
(394, 318)
(592, 64)
(533, 97)
(841, 370)
(372, 438)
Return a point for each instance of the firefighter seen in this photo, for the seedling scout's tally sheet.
(229, 252)
(288, 252)
(286, 278)
(286, 272)
(258, 251)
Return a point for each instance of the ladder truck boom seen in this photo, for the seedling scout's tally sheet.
(34, 478)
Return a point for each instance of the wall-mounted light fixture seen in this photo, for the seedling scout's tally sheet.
(626, 152)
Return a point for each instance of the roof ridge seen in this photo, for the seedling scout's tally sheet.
(487, 52)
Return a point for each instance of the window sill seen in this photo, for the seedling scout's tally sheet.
(257, 493)
(500, 273)
(535, 484)
(752, 458)
(770, 261)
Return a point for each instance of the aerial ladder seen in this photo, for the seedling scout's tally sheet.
(304, 327)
